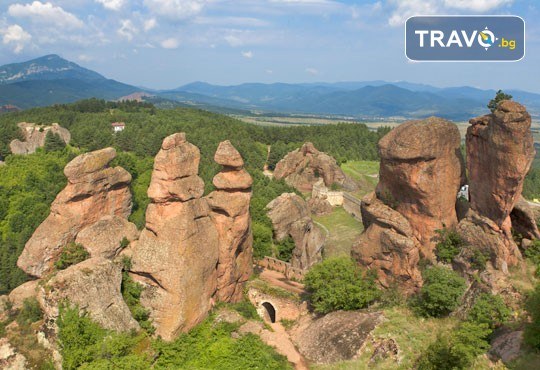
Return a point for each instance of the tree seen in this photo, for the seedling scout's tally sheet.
(448, 246)
(489, 309)
(53, 142)
(499, 97)
(441, 292)
(339, 284)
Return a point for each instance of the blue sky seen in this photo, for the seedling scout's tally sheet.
(167, 43)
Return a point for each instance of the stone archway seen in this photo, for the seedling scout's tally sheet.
(269, 312)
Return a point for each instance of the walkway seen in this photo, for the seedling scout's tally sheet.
(278, 279)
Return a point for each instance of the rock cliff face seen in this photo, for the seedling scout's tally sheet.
(177, 254)
(193, 250)
(34, 137)
(420, 174)
(303, 167)
(499, 154)
(94, 190)
(524, 220)
(291, 217)
(230, 213)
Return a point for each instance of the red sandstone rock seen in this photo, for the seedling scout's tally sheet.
(524, 220)
(93, 191)
(34, 137)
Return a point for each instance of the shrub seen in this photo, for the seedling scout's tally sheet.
(339, 284)
(30, 312)
(489, 309)
(285, 249)
(449, 245)
(533, 254)
(532, 331)
(246, 309)
(71, 254)
(499, 96)
(456, 350)
(53, 142)
(441, 292)
(131, 292)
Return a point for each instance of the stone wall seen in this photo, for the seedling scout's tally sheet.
(285, 308)
(352, 205)
(335, 198)
(290, 272)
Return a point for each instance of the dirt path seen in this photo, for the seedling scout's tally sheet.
(280, 340)
(278, 279)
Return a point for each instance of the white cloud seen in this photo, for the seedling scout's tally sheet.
(247, 54)
(312, 71)
(176, 9)
(232, 21)
(170, 43)
(85, 58)
(150, 24)
(269, 71)
(45, 13)
(233, 40)
(15, 35)
(112, 4)
(127, 29)
(476, 5)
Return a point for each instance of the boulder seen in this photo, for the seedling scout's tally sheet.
(34, 137)
(388, 246)
(177, 252)
(10, 358)
(230, 213)
(104, 238)
(524, 220)
(420, 174)
(94, 287)
(93, 191)
(291, 217)
(303, 167)
(506, 345)
(504, 141)
(24, 291)
(319, 206)
(337, 336)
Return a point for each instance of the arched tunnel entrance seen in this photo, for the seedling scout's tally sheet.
(270, 312)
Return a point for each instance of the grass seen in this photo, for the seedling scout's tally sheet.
(364, 173)
(343, 231)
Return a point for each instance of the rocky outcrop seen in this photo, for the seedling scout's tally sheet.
(524, 220)
(291, 217)
(338, 336)
(10, 359)
(499, 154)
(104, 238)
(230, 214)
(94, 287)
(500, 151)
(177, 253)
(34, 137)
(303, 167)
(319, 206)
(388, 245)
(93, 191)
(420, 174)
(24, 291)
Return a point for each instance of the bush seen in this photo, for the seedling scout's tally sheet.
(441, 292)
(285, 249)
(456, 350)
(532, 331)
(533, 254)
(489, 309)
(339, 284)
(131, 292)
(53, 142)
(246, 309)
(449, 245)
(71, 254)
(30, 312)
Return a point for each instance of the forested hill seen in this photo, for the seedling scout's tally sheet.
(28, 184)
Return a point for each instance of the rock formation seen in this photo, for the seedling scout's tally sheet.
(177, 254)
(34, 137)
(388, 245)
(230, 213)
(420, 174)
(319, 206)
(94, 287)
(291, 217)
(93, 191)
(524, 220)
(303, 167)
(499, 154)
(193, 250)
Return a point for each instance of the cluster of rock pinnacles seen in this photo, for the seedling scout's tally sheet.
(196, 250)
(192, 252)
(421, 172)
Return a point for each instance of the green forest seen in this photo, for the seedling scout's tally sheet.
(28, 184)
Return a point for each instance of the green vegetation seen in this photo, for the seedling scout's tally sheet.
(339, 284)
(30, 312)
(343, 230)
(499, 97)
(533, 254)
(490, 310)
(284, 249)
(365, 173)
(532, 331)
(448, 246)
(131, 292)
(71, 254)
(85, 345)
(441, 292)
(53, 142)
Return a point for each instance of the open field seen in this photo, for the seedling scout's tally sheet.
(364, 173)
(343, 231)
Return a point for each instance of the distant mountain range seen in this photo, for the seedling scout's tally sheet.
(51, 79)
